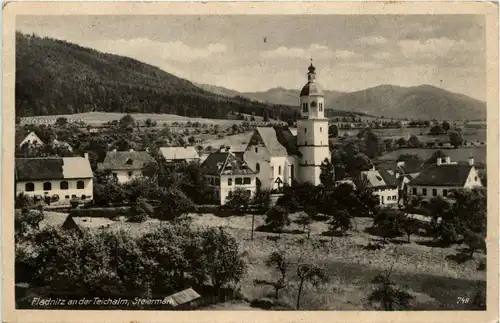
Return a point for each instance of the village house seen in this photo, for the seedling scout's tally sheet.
(184, 300)
(65, 177)
(443, 177)
(126, 165)
(403, 171)
(279, 157)
(179, 154)
(225, 172)
(82, 223)
(383, 182)
(31, 139)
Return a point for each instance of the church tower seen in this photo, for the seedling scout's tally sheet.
(312, 130)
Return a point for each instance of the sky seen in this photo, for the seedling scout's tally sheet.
(251, 53)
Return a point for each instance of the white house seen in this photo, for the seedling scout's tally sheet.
(444, 176)
(125, 165)
(66, 177)
(225, 173)
(32, 139)
(384, 185)
(279, 157)
(179, 154)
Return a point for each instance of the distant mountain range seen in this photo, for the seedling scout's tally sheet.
(421, 102)
(58, 77)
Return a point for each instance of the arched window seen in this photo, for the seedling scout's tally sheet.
(279, 170)
(29, 187)
(256, 149)
(257, 167)
(47, 186)
(63, 185)
(304, 107)
(80, 185)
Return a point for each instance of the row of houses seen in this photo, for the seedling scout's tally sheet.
(267, 160)
(394, 180)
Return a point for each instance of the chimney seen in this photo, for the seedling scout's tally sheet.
(471, 161)
(439, 161)
(131, 150)
(447, 160)
(86, 155)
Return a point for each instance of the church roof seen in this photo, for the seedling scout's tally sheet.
(312, 88)
(278, 140)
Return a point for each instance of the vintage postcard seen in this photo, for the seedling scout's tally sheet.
(250, 162)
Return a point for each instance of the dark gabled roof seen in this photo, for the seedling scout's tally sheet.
(124, 160)
(226, 163)
(443, 175)
(32, 169)
(287, 139)
(380, 178)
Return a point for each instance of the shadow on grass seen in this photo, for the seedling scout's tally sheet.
(434, 243)
(335, 233)
(268, 229)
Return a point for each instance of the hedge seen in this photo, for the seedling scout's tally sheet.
(102, 212)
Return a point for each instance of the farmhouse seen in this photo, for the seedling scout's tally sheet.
(384, 185)
(66, 177)
(444, 176)
(225, 172)
(125, 165)
(280, 157)
(185, 299)
(179, 154)
(81, 223)
(31, 139)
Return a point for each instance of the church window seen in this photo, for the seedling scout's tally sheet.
(279, 170)
(257, 167)
(304, 107)
(305, 130)
(321, 107)
(320, 129)
(256, 149)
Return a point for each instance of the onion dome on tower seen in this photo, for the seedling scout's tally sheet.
(311, 88)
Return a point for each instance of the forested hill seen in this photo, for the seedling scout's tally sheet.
(57, 77)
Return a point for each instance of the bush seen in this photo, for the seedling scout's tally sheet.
(54, 198)
(74, 203)
(137, 217)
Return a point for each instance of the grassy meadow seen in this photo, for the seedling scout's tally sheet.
(434, 279)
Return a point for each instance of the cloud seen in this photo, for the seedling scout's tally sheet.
(175, 51)
(431, 48)
(314, 51)
(371, 40)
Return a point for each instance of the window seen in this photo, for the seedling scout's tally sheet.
(414, 191)
(305, 142)
(130, 174)
(257, 167)
(63, 185)
(305, 130)
(73, 196)
(424, 192)
(238, 180)
(320, 129)
(29, 187)
(272, 171)
(256, 149)
(217, 181)
(321, 107)
(47, 186)
(475, 178)
(279, 170)
(229, 181)
(434, 192)
(83, 197)
(445, 193)
(67, 197)
(247, 180)
(80, 185)
(304, 107)
(394, 197)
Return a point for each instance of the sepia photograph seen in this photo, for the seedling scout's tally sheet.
(261, 162)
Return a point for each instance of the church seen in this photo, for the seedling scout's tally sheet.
(279, 157)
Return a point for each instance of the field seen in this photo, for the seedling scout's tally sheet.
(459, 154)
(98, 118)
(435, 280)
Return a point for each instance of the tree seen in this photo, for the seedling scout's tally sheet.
(173, 203)
(340, 220)
(413, 142)
(27, 222)
(277, 218)
(238, 200)
(401, 142)
(389, 222)
(388, 294)
(456, 139)
(127, 122)
(262, 199)
(475, 241)
(311, 273)
(279, 260)
(221, 258)
(61, 122)
(435, 155)
(446, 126)
(333, 131)
(305, 219)
(327, 174)
(437, 130)
(410, 226)
(150, 169)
